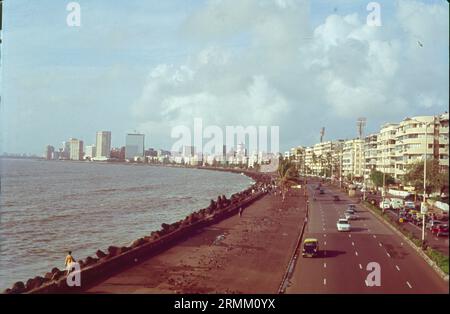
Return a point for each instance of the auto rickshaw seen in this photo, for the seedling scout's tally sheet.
(310, 248)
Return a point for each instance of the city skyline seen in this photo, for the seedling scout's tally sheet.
(154, 85)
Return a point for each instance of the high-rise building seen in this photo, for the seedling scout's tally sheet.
(134, 146)
(90, 152)
(49, 150)
(76, 149)
(103, 145)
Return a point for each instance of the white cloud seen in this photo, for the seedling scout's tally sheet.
(284, 73)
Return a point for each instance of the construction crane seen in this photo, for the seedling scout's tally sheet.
(322, 134)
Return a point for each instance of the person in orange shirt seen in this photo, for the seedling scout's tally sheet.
(68, 262)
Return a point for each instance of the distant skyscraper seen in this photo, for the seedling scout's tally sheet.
(90, 152)
(76, 149)
(103, 145)
(134, 146)
(49, 150)
(188, 151)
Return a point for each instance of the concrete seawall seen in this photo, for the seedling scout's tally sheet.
(117, 259)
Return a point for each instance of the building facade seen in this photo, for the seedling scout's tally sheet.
(134, 146)
(103, 145)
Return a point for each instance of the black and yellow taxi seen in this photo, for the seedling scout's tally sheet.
(310, 247)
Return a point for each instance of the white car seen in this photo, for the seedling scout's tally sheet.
(350, 215)
(386, 204)
(343, 225)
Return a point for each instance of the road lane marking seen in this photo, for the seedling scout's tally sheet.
(324, 265)
(324, 235)
(325, 243)
(323, 229)
(398, 268)
(401, 244)
(353, 243)
(409, 285)
(388, 254)
(374, 236)
(356, 253)
(360, 266)
(324, 281)
(349, 235)
(379, 243)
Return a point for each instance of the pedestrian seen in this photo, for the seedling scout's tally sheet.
(240, 211)
(68, 262)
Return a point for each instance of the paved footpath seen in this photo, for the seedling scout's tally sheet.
(251, 255)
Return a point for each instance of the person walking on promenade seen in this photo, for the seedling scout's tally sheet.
(240, 211)
(68, 262)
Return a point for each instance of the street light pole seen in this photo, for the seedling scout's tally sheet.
(424, 184)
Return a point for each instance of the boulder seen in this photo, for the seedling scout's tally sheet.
(18, 287)
(90, 261)
(48, 276)
(34, 283)
(55, 270)
(58, 275)
(138, 242)
(100, 254)
(113, 250)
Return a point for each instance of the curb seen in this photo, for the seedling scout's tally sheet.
(427, 259)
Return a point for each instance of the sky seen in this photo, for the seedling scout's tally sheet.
(149, 66)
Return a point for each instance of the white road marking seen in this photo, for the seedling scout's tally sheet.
(380, 244)
(323, 229)
(349, 235)
(356, 253)
(325, 235)
(325, 243)
(398, 268)
(324, 281)
(353, 243)
(360, 266)
(374, 236)
(409, 285)
(324, 265)
(401, 244)
(388, 254)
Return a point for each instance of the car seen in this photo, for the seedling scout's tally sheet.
(396, 203)
(336, 198)
(343, 225)
(350, 215)
(310, 247)
(322, 191)
(440, 230)
(351, 207)
(410, 205)
(386, 204)
(432, 224)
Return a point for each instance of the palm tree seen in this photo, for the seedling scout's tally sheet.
(287, 175)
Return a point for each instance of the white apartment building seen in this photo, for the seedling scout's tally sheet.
(418, 136)
(90, 152)
(386, 154)
(353, 159)
(370, 153)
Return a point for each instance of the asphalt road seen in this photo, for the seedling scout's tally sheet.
(341, 266)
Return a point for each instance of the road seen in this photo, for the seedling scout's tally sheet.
(344, 257)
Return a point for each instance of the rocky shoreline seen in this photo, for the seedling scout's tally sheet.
(93, 269)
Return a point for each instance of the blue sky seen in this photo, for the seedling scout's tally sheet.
(290, 63)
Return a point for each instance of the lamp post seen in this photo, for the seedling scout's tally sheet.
(424, 204)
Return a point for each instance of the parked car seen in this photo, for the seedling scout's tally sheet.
(440, 230)
(310, 247)
(432, 224)
(350, 215)
(396, 203)
(351, 207)
(336, 198)
(343, 225)
(322, 191)
(386, 204)
(410, 205)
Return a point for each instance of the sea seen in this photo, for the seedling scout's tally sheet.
(50, 207)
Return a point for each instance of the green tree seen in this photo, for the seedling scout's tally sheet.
(287, 176)
(437, 178)
(377, 178)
